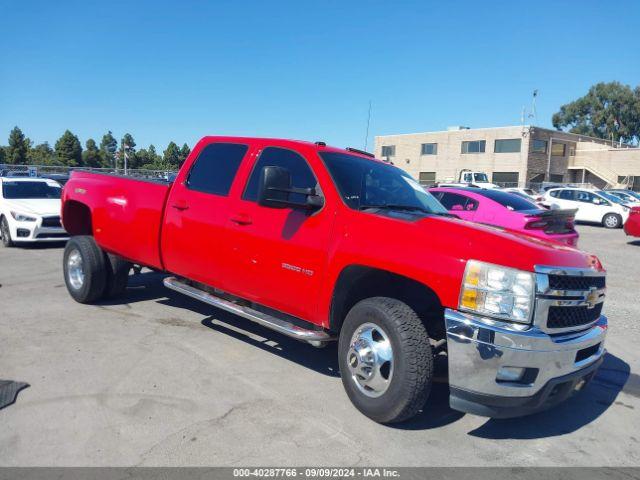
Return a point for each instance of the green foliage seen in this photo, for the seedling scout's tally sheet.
(172, 156)
(607, 110)
(91, 156)
(129, 142)
(42, 154)
(69, 150)
(184, 153)
(108, 147)
(18, 147)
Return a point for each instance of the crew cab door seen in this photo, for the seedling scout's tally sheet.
(281, 253)
(195, 240)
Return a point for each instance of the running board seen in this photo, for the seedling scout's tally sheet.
(315, 337)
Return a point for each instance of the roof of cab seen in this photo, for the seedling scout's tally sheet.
(317, 146)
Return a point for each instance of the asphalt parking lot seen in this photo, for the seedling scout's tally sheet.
(159, 379)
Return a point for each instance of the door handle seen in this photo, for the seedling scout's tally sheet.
(242, 219)
(181, 206)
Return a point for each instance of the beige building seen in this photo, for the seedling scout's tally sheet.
(512, 156)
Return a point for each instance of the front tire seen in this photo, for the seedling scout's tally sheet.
(5, 233)
(385, 359)
(85, 271)
(612, 220)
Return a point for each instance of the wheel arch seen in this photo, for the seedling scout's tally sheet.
(77, 218)
(357, 282)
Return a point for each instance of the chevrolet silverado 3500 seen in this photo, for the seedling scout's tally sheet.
(325, 244)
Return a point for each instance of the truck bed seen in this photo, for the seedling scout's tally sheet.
(126, 213)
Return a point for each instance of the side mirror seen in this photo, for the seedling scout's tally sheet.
(275, 188)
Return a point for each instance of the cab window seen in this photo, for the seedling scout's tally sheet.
(215, 168)
(301, 174)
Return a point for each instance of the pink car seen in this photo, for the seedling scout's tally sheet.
(504, 209)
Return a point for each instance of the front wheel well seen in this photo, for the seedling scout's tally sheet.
(358, 282)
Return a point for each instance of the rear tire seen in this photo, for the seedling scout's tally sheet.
(5, 233)
(612, 220)
(391, 391)
(85, 270)
(117, 275)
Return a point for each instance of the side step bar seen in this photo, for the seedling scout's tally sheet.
(315, 337)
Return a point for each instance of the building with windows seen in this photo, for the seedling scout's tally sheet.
(513, 156)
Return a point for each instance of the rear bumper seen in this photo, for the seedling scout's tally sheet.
(553, 367)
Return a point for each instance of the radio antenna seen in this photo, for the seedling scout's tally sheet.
(366, 137)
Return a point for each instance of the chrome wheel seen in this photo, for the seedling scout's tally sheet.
(74, 270)
(370, 359)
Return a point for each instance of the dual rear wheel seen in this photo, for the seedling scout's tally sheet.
(92, 274)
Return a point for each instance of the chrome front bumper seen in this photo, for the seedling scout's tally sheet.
(555, 365)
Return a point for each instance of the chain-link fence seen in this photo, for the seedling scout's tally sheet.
(62, 173)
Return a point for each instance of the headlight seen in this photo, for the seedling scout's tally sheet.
(498, 292)
(21, 217)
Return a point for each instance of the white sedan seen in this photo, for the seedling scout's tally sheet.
(594, 206)
(30, 211)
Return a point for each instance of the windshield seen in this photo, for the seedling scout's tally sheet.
(366, 183)
(23, 190)
(481, 177)
(613, 198)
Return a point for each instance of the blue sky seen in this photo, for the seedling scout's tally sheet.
(300, 69)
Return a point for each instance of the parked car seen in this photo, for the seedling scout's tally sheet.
(529, 194)
(468, 178)
(324, 244)
(632, 226)
(61, 178)
(626, 196)
(509, 210)
(30, 211)
(593, 206)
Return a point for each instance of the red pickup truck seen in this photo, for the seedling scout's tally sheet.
(325, 244)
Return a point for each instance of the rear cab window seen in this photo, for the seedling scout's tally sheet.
(215, 168)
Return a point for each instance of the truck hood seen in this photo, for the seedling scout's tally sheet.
(35, 206)
(506, 247)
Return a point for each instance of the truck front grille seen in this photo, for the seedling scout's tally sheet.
(566, 317)
(565, 282)
(568, 299)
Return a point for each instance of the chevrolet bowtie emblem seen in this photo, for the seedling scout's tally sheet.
(592, 297)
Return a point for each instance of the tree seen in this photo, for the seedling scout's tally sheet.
(129, 142)
(91, 156)
(69, 150)
(42, 154)
(3, 154)
(608, 110)
(184, 153)
(172, 156)
(18, 147)
(108, 147)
